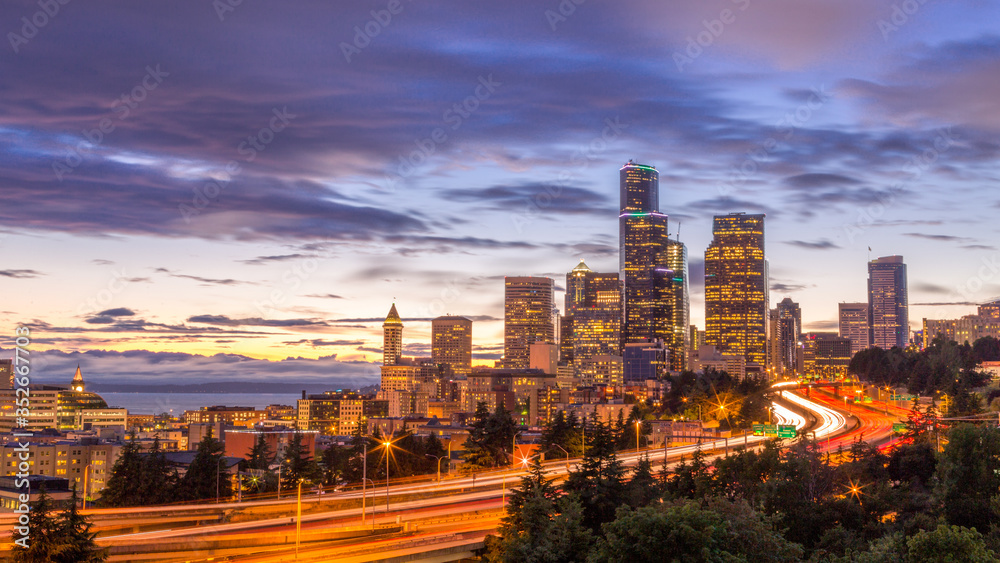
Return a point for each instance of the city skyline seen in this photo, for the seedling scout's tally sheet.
(204, 211)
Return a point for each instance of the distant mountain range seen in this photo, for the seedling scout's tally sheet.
(221, 387)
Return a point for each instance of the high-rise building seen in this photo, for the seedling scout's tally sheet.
(786, 333)
(653, 266)
(528, 318)
(825, 354)
(451, 343)
(593, 315)
(854, 325)
(990, 310)
(736, 289)
(392, 338)
(7, 371)
(887, 302)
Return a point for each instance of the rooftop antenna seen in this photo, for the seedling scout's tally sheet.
(678, 231)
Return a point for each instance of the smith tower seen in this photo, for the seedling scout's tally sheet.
(392, 338)
(736, 292)
(654, 267)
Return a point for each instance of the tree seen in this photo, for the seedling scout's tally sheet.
(945, 544)
(127, 471)
(551, 532)
(158, 479)
(686, 531)
(490, 437)
(296, 464)
(643, 488)
(599, 483)
(968, 475)
(205, 477)
(333, 464)
(260, 455)
(43, 540)
(77, 543)
(63, 539)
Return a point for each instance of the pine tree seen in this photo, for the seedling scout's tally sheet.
(77, 543)
(205, 477)
(297, 464)
(158, 479)
(44, 533)
(599, 482)
(121, 487)
(260, 455)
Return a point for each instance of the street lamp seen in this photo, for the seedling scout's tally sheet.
(637, 424)
(513, 447)
(364, 476)
(298, 519)
(439, 458)
(387, 445)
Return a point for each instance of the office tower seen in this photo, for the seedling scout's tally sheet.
(451, 343)
(528, 318)
(785, 334)
(654, 268)
(887, 302)
(593, 314)
(392, 338)
(736, 291)
(825, 354)
(854, 325)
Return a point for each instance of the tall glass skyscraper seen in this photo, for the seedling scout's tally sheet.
(592, 325)
(528, 318)
(736, 287)
(887, 302)
(654, 267)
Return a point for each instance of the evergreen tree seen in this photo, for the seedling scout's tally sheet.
(205, 476)
(44, 534)
(490, 437)
(642, 489)
(600, 481)
(297, 464)
(158, 479)
(260, 455)
(76, 541)
(333, 464)
(121, 489)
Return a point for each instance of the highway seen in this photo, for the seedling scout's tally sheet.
(455, 513)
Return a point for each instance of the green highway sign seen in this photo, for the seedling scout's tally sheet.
(758, 429)
(770, 430)
(786, 431)
(899, 427)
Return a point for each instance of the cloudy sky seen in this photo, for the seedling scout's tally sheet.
(195, 190)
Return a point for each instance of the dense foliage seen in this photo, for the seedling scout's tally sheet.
(795, 504)
(61, 538)
(943, 366)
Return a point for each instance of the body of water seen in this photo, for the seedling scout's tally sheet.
(177, 403)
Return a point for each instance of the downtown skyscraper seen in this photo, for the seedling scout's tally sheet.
(451, 343)
(736, 287)
(592, 324)
(887, 302)
(785, 336)
(653, 266)
(529, 318)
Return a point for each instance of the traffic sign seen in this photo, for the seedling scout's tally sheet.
(899, 427)
(758, 429)
(770, 430)
(786, 431)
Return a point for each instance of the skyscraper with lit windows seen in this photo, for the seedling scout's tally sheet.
(887, 302)
(593, 316)
(736, 287)
(451, 343)
(529, 317)
(653, 266)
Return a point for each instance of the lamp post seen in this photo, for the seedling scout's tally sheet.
(637, 424)
(298, 519)
(438, 458)
(364, 476)
(387, 444)
(363, 479)
(86, 472)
